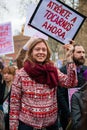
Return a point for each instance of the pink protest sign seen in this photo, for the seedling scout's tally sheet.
(6, 39)
(57, 20)
(71, 91)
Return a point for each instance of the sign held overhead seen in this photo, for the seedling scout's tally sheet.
(57, 20)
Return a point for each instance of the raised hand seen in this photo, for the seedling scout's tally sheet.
(69, 51)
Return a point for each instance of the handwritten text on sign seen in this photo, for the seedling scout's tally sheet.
(57, 20)
(6, 41)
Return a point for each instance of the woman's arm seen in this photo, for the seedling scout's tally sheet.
(69, 79)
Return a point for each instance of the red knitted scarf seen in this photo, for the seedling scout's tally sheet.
(43, 74)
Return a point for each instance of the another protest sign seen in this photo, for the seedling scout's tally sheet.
(71, 91)
(6, 39)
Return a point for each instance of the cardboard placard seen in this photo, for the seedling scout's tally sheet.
(57, 20)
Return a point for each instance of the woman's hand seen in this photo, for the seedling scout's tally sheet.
(69, 51)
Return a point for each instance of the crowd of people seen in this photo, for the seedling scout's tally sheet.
(63, 93)
(36, 93)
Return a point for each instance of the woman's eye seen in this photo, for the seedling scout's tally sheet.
(37, 49)
(44, 49)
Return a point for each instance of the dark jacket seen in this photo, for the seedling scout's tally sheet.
(2, 89)
(79, 109)
(63, 102)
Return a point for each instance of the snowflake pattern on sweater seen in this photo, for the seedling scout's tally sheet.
(36, 104)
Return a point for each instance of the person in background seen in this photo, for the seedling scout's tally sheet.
(79, 107)
(2, 125)
(8, 73)
(20, 58)
(2, 84)
(63, 97)
(33, 101)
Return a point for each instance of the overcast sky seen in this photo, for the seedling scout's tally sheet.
(14, 16)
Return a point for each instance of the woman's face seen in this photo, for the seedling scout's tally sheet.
(39, 52)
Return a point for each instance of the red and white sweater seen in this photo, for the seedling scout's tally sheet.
(36, 104)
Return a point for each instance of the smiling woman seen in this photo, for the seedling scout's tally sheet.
(39, 53)
(33, 101)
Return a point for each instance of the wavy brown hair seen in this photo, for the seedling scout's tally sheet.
(10, 70)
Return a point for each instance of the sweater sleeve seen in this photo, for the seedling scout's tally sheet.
(69, 80)
(15, 102)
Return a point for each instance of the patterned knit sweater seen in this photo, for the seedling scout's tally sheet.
(36, 104)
